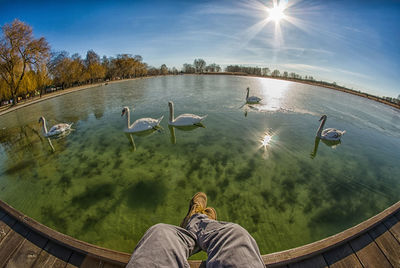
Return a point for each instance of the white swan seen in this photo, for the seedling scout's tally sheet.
(183, 119)
(252, 99)
(54, 130)
(330, 134)
(141, 124)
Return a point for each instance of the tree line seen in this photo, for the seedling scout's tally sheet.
(28, 67)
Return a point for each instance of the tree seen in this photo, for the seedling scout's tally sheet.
(275, 73)
(265, 71)
(20, 52)
(188, 68)
(93, 66)
(199, 65)
(164, 69)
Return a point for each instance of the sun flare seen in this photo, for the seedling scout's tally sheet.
(276, 13)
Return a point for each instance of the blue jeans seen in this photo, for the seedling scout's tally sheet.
(227, 245)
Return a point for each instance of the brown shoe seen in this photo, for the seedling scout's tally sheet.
(211, 213)
(196, 205)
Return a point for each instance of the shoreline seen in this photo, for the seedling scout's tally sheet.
(316, 83)
(58, 93)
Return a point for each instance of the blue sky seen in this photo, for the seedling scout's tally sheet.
(355, 43)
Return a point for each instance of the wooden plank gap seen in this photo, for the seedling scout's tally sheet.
(393, 225)
(368, 252)
(10, 221)
(58, 251)
(397, 215)
(2, 213)
(76, 259)
(342, 256)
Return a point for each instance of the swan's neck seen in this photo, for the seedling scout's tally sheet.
(128, 118)
(44, 126)
(321, 126)
(171, 113)
(247, 95)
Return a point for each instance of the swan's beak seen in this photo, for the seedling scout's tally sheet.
(321, 118)
(123, 112)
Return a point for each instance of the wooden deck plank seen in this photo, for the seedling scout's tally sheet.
(315, 262)
(75, 244)
(4, 229)
(342, 256)
(59, 264)
(90, 262)
(393, 224)
(387, 243)
(318, 247)
(368, 252)
(47, 260)
(11, 242)
(25, 255)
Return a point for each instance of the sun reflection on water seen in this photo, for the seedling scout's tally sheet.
(266, 142)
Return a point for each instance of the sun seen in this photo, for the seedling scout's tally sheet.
(276, 13)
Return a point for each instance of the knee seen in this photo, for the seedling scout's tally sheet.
(159, 229)
(238, 231)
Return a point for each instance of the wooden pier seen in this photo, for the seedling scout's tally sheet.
(373, 243)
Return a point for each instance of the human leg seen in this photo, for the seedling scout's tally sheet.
(227, 244)
(164, 245)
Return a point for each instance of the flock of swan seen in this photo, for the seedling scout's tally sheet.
(145, 124)
(183, 120)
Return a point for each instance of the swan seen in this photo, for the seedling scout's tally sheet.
(252, 99)
(141, 124)
(330, 134)
(54, 130)
(183, 119)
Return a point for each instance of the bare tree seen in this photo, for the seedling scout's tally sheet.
(200, 65)
(19, 53)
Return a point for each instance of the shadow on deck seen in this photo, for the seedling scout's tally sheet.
(26, 243)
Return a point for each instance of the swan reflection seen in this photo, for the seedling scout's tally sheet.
(139, 134)
(182, 128)
(332, 144)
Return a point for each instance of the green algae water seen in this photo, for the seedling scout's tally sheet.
(260, 165)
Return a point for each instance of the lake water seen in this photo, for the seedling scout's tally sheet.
(257, 164)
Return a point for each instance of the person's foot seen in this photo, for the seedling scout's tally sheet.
(211, 213)
(197, 204)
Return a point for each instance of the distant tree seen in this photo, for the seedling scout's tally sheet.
(275, 73)
(212, 68)
(163, 69)
(398, 97)
(199, 65)
(285, 74)
(95, 70)
(265, 71)
(20, 52)
(188, 68)
(174, 70)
